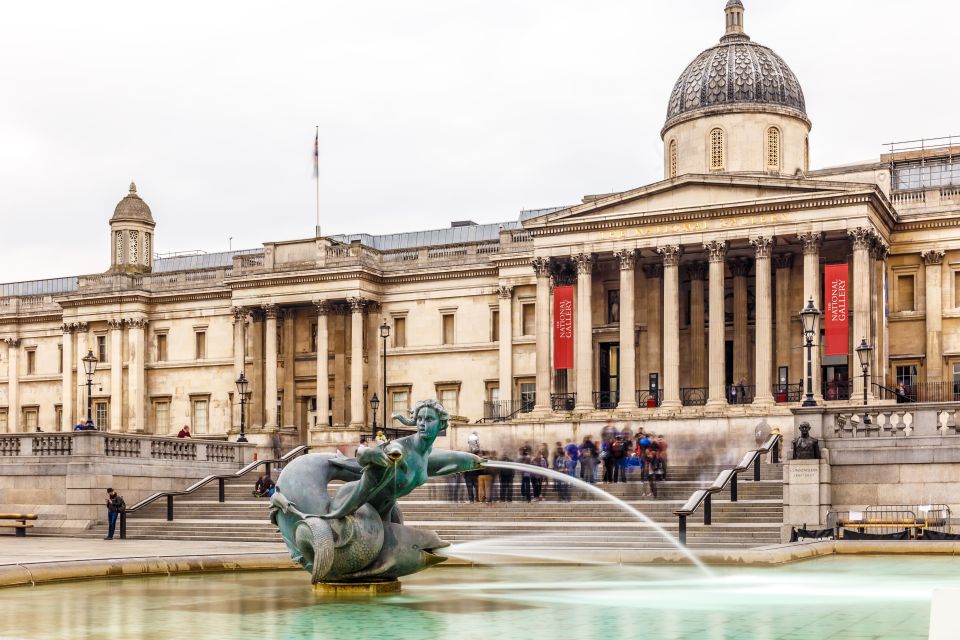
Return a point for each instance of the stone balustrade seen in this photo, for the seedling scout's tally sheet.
(120, 445)
(901, 420)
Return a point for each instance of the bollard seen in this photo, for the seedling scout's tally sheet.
(733, 488)
(222, 496)
(123, 525)
(682, 533)
(170, 508)
(708, 509)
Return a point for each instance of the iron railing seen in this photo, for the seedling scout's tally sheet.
(837, 389)
(606, 399)
(787, 392)
(704, 496)
(503, 410)
(693, 396)
(648, 398)
(741, 393)
(933, 391)
(563, 401)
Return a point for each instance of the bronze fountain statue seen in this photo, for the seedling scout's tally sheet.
(359, 535)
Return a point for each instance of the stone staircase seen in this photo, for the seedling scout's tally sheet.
(583, 523)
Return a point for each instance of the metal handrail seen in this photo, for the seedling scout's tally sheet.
(704, 496)
(199, 484)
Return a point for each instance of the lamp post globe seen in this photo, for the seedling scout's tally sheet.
(374, 405)
(89, 367)
(243, 387)
(808, 318)
(384, 334)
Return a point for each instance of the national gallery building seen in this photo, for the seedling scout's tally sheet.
(674, 304)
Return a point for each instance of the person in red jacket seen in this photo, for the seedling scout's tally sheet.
(185, 432)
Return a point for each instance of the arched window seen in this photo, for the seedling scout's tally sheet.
(118, 244)
(673, 159)
(773, 149)
(717, 159)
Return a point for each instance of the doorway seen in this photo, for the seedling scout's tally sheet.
(609, 394)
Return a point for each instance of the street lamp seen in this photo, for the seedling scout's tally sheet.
(808, 317)
(243, 386)
(863, 352)
(384, 333)
(89, 366)
(375, 404)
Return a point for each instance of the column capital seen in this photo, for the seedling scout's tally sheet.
(716, 250)
(240, 314)
(505, 292)
(861, 238)
(880, 249)
(12, 342)
(627, 257)
(357, 304)
(270, 311)
(740, 267)
(932, 257)
(671, 254)
(322, 306)
(115, 323)
(135, 323)
(697, 271)
(371, 307)
(68, 327)
(812, 242)
(584, 262)
(80, 327)
(762, 247)
(541, 267)
(782, 260)
(653, 271)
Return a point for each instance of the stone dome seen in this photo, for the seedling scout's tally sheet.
(737, 74)
(132, 207)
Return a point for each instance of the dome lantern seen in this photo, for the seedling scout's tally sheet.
(734, 11)
(131, 235)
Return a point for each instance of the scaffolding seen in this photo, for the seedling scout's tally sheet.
(924, 163)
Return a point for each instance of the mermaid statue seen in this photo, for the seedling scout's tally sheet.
(358, 535)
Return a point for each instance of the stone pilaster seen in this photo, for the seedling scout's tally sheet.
(861, 239)
(717, 255)
(698, 364)
(270, 313)
(671, 325)
(13, 384)
(628, 330)
(116, 375)
(323, 364)
(136, 377)
(879, 253)
(654, 287)
(356, 362)
(763, 344)
(505, 344)
(66, 392)
(933, 259)
(288, 327)
(583, 331)
(541, 268)
(811, 290)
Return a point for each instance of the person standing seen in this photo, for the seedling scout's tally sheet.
(454, 481)
(115, 506)
(185, 432)
(470, 478)
(540, 460)
(588, 460)
(484, 482)
(277, 444)
(618, 452)
(506, 481)
(526, 482)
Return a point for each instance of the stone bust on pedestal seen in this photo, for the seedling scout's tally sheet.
(806, 447)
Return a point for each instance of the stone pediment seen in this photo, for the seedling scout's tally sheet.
(696, 192)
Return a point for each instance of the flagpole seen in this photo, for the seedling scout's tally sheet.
(316, 173)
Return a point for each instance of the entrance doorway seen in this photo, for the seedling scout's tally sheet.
(609, 394)
(836, 382)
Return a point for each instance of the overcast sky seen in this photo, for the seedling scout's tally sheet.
(429, 110)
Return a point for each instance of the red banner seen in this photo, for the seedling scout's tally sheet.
(563, 328)
(836, 340)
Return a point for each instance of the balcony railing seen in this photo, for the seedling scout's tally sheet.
(837, 389)
(787, 392)
(693, 396)
(503, 410)
(606, 399)
(648, 398)
(563, 401)
(741, 393)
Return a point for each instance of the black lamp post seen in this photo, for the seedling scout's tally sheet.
(89, 367)
(863, 352)
(375, 404)
(384, 333)
(808, 317)
(243, 386)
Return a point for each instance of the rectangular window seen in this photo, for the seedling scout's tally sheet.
(59, 358)
(313, 337)
(528, 396)
(493, 392)
(528, 319)
(494, 325)
(400, 402)
(161, 417)
(399, 332)
(161, 347)
(905, 293)
(58, 416)
(956, 381)
(200, 415)
(448, 328)
(102, 348)
(448, 398)
(956, 289)
(31, 361)
(906, 375)
(201, 344)
(3, 420)
(101, 415)
(31, 417)
(613, 306)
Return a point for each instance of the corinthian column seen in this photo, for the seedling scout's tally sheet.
(671, 326)
(933, 259)
(13, 384)
(66, 393)
(717, 254)
(628, 330)
(505, 345)
(698, 369)
(782, 263)
(136, 377)
(116, 375)
(356, 361)
(763, 347)
(541, 267)
(740, 268)
(654, 276)
(811, 289)
(861, 239)
(323, 364)
(880, 347)
(239, 353)
(583, 332)
(80, 332)
(270, 312)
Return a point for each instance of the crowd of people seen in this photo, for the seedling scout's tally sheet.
(618, 457)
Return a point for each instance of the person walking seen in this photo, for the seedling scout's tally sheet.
(115, 506)
(526, 482)
(277, 445)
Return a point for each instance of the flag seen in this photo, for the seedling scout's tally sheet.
(316, 154)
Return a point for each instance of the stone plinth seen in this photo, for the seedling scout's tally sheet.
(806, 493)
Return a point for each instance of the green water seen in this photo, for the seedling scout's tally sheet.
(838, 597)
